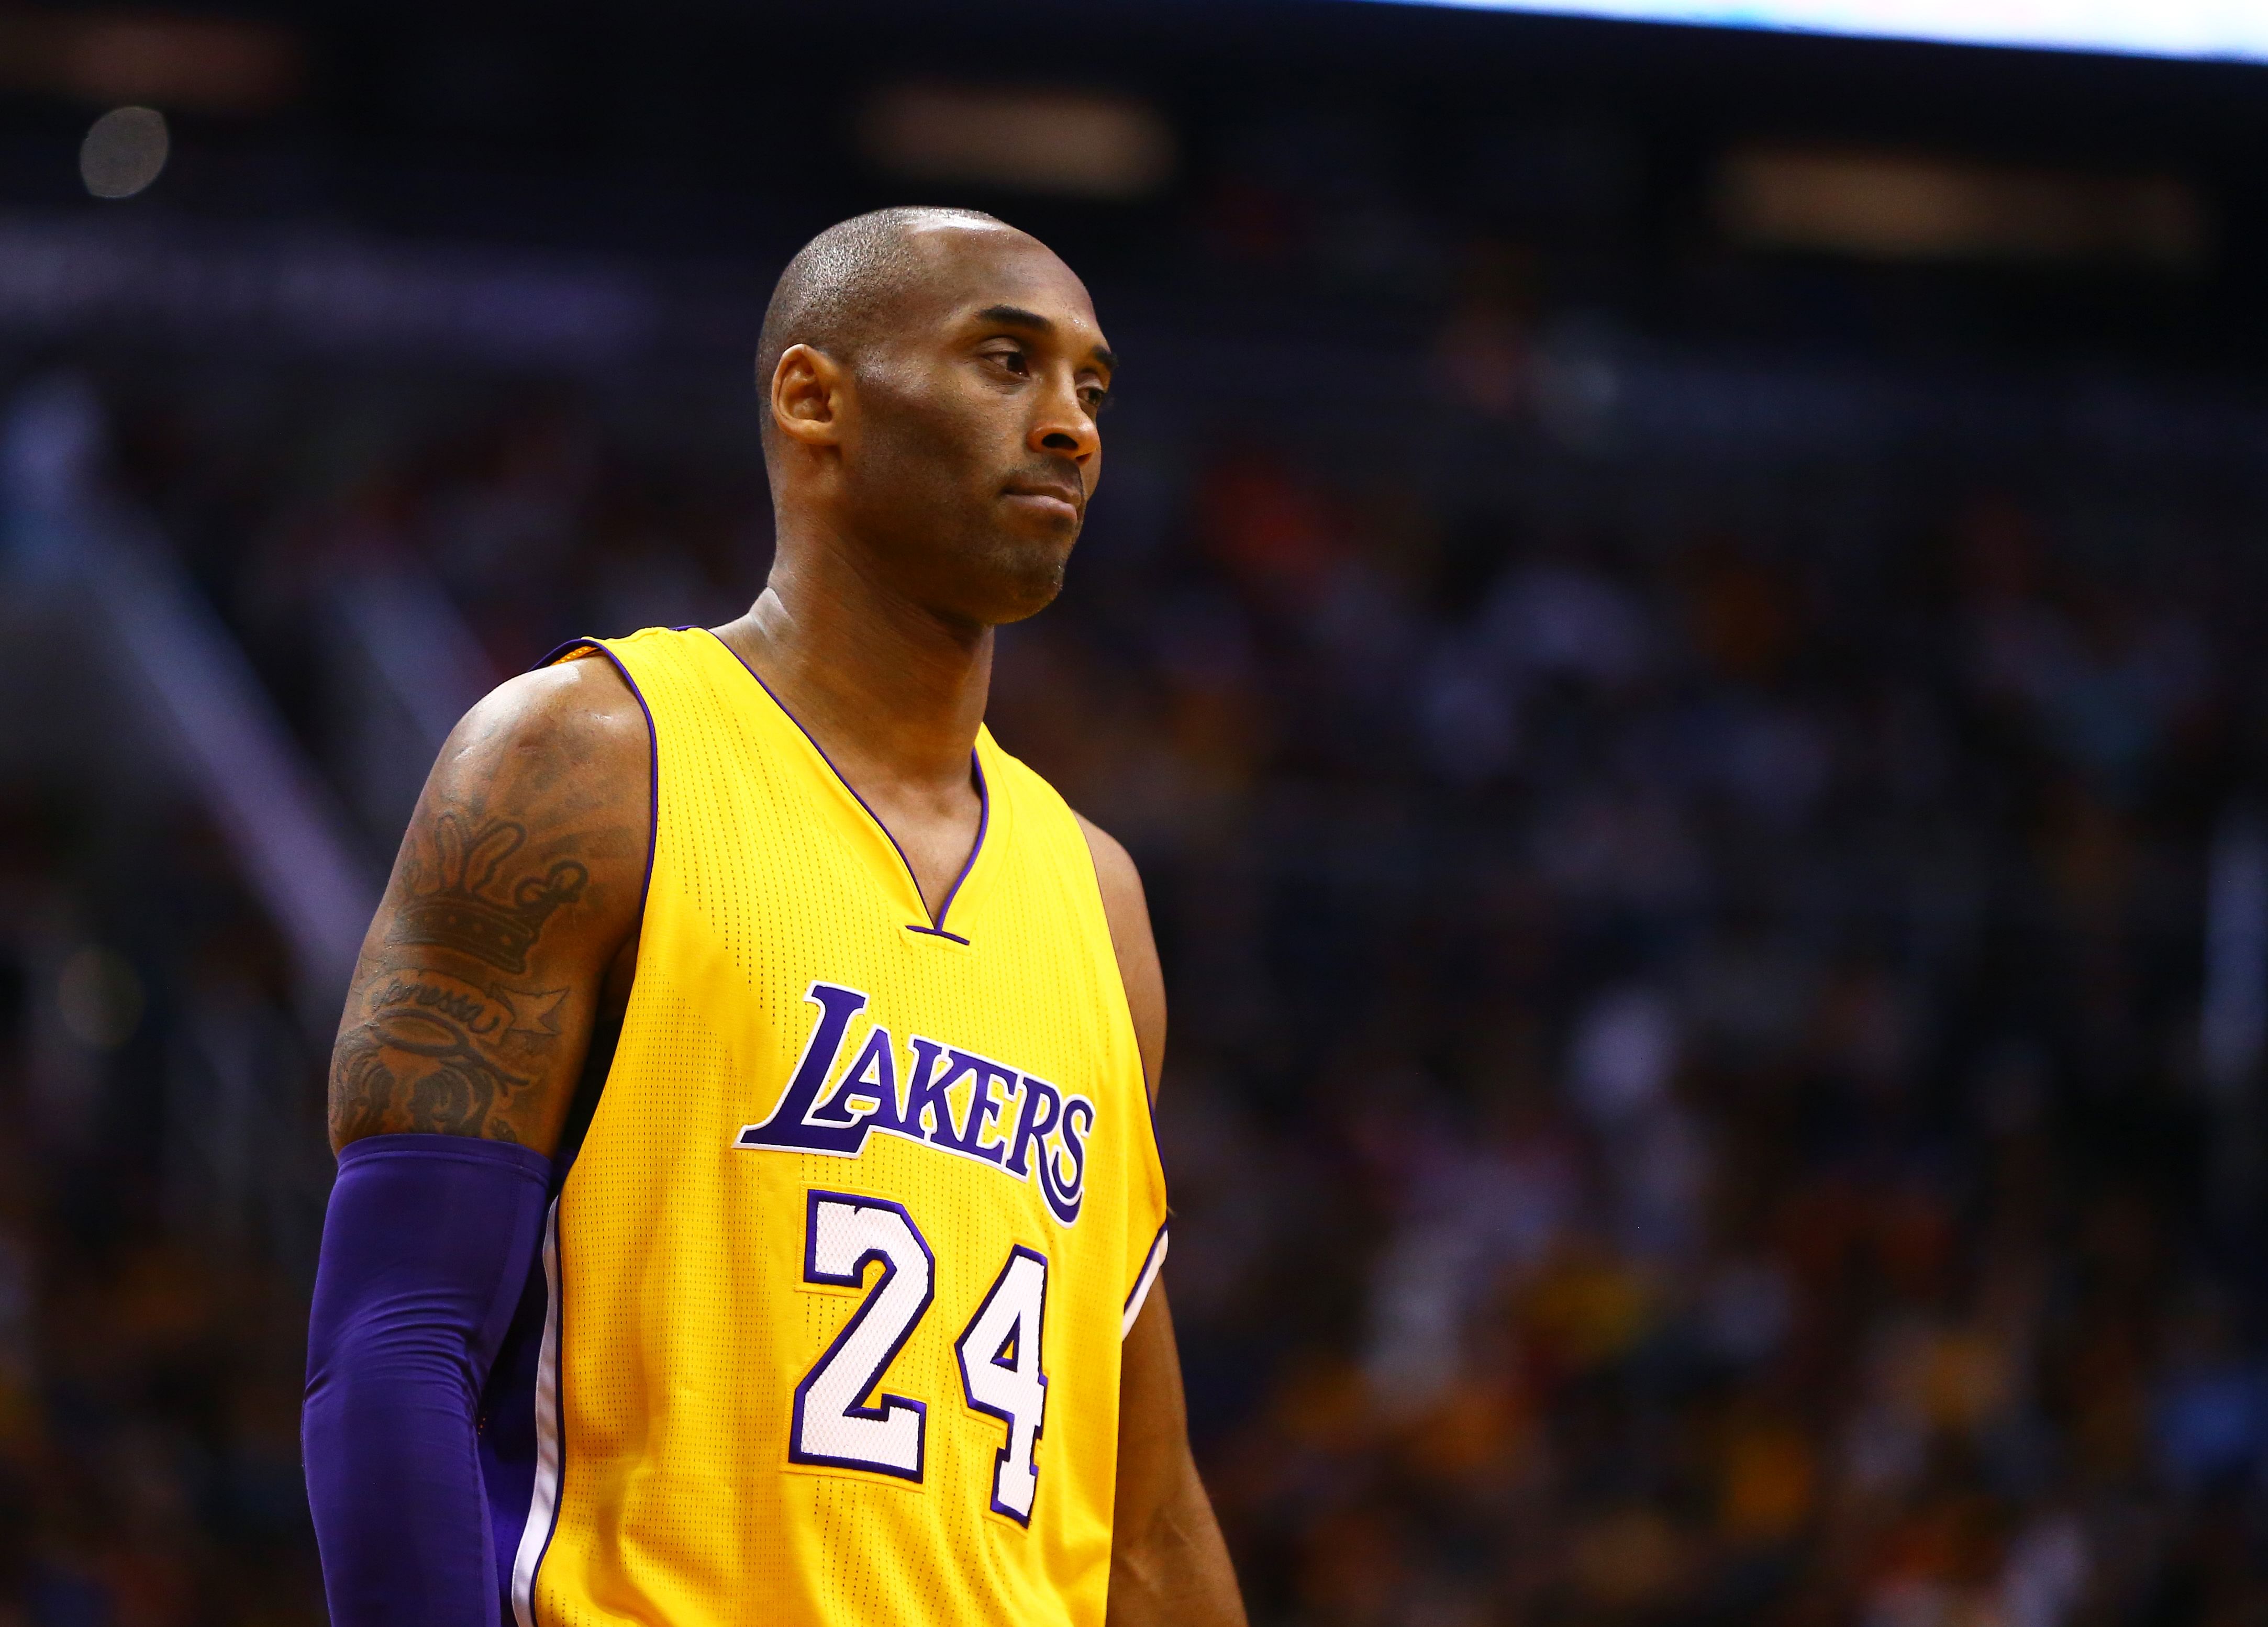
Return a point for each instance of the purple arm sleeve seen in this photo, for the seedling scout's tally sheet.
(426, 1249)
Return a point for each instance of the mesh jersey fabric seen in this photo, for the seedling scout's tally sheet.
(834, 1286)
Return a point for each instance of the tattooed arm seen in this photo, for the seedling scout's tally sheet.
(510, 920)
(509, 927)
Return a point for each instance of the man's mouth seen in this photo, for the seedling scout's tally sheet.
(1048, 496)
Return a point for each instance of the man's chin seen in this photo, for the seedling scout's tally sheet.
(1028, 576)
(1035, 595)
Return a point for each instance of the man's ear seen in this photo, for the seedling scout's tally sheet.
(808, 388)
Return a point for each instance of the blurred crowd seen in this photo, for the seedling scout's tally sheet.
(1686, 1100)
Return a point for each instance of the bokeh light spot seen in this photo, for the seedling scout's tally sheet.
(124, 152)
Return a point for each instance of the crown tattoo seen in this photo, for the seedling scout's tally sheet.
(467, 909)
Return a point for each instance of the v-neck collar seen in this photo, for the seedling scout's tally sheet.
(931, 926)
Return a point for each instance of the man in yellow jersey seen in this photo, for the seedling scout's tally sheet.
(748, 1208)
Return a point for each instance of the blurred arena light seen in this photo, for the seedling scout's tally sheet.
(1893, 206)
(208, 64)
(2233, 1023)
(1078, 143)
(124, 152)
(2236, 29)
(99, 996)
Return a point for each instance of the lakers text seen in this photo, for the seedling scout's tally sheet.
(944, 1097)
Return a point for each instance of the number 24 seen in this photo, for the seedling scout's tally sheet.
(999, 1351)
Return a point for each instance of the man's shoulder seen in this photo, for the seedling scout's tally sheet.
(1127, 913)
(1114, 866)
(577, 716)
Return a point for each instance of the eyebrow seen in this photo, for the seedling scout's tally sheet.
(1032, 321)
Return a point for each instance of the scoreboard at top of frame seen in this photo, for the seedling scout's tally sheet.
(2227, 30)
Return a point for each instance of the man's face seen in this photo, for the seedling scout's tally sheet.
(972, 449)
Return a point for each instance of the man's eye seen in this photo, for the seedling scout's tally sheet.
(1013, 361)
(1096, 398)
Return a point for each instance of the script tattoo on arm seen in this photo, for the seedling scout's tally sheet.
(442, 1055)
(517, 884)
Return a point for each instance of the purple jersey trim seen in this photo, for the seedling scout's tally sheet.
(1149, 1086)
(518, 1605)
(935, 926)
(984, 823)
(653, 755)
(508, 1433)
(506, 1427)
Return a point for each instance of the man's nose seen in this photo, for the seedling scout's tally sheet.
(1065, 428)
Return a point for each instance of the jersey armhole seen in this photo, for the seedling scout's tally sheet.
(584, 649)
(583, 1107)
(1150, 1264)
(1126, 1004)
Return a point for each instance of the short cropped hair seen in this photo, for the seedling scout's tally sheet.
(841, 285)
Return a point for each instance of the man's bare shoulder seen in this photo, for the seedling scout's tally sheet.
(1114, 869)
(578, 718)
(1127, 909)
(518, 885)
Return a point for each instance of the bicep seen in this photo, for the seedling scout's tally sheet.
(1153, 1412)
(519, 878)
(1168, 1565)
(1149, 1385)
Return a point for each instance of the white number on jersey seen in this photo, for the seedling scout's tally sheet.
(1000, 1373)
(843, 1236)
(999, 1351)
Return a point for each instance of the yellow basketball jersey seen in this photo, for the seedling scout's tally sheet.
(835, 1283)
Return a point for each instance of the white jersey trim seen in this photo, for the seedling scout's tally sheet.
(543, 1506)
(1149, 1267)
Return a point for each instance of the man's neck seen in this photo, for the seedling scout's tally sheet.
(891, 692)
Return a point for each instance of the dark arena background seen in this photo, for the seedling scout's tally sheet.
(1675, 621)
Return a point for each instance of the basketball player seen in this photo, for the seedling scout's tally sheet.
(748, 1210)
